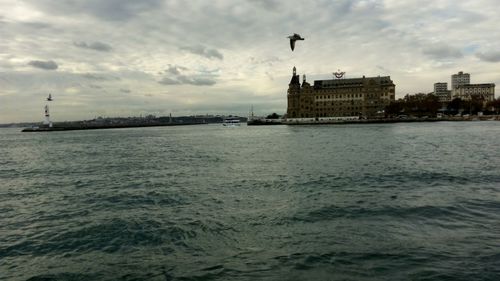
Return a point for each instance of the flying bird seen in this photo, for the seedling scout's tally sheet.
(294, 38)
(49, 98)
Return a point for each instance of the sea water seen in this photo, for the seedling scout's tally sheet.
(417, 201)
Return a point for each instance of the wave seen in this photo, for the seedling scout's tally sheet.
(450, 213)
(106, 236)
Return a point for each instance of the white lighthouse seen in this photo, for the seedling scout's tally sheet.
(47, 114)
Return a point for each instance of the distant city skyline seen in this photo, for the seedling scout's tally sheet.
(127, 58)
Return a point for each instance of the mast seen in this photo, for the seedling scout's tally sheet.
(251, 113)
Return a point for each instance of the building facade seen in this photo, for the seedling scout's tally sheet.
(365, 96)
(442, 92)
(485, 92)
(459, 79)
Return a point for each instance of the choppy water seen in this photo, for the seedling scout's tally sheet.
(355, 202)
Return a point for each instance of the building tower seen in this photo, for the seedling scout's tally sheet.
(293, 95)
(47, 121)
(459, 79)
(441, 91)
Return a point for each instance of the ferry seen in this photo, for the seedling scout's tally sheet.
(231, 122)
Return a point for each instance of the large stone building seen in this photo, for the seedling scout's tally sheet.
(365, 97)
(463, 89)
(485, 92)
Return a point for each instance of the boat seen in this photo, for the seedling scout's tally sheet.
(231, 122)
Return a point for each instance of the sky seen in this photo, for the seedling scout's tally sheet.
(115, 58)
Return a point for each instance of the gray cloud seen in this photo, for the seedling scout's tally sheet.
(442, 51)
(203, 51)
(175, 69)
(97, 46)
(169, 81)
(197, 81)
(383, 69)
(99, 77)
(493, 56)
(47, 65)
(268, 61)
(110, 10)
(269, 75)
(176, 77)
(125, 91)
(37, 25)
(266, 4)
(188, 80)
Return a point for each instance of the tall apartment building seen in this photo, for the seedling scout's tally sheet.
(458, 79)
(364, 96)
(442, 92)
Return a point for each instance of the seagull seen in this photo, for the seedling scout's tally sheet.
(49, 98)
(294, 38)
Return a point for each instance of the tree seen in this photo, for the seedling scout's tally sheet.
(476, 104)
(455, 105)
(418, 104)
(273, 116)
(394, 108)
(495, 104)
(430, 104)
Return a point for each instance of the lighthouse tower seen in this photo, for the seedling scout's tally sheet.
(47, 114)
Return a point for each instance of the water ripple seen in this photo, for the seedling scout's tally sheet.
(368, 202)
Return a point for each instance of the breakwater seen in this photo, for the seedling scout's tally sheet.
(76, 128)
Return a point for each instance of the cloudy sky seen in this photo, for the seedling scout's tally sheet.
(127, 58)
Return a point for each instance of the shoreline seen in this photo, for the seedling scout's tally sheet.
(320, 121)
(273, 122)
